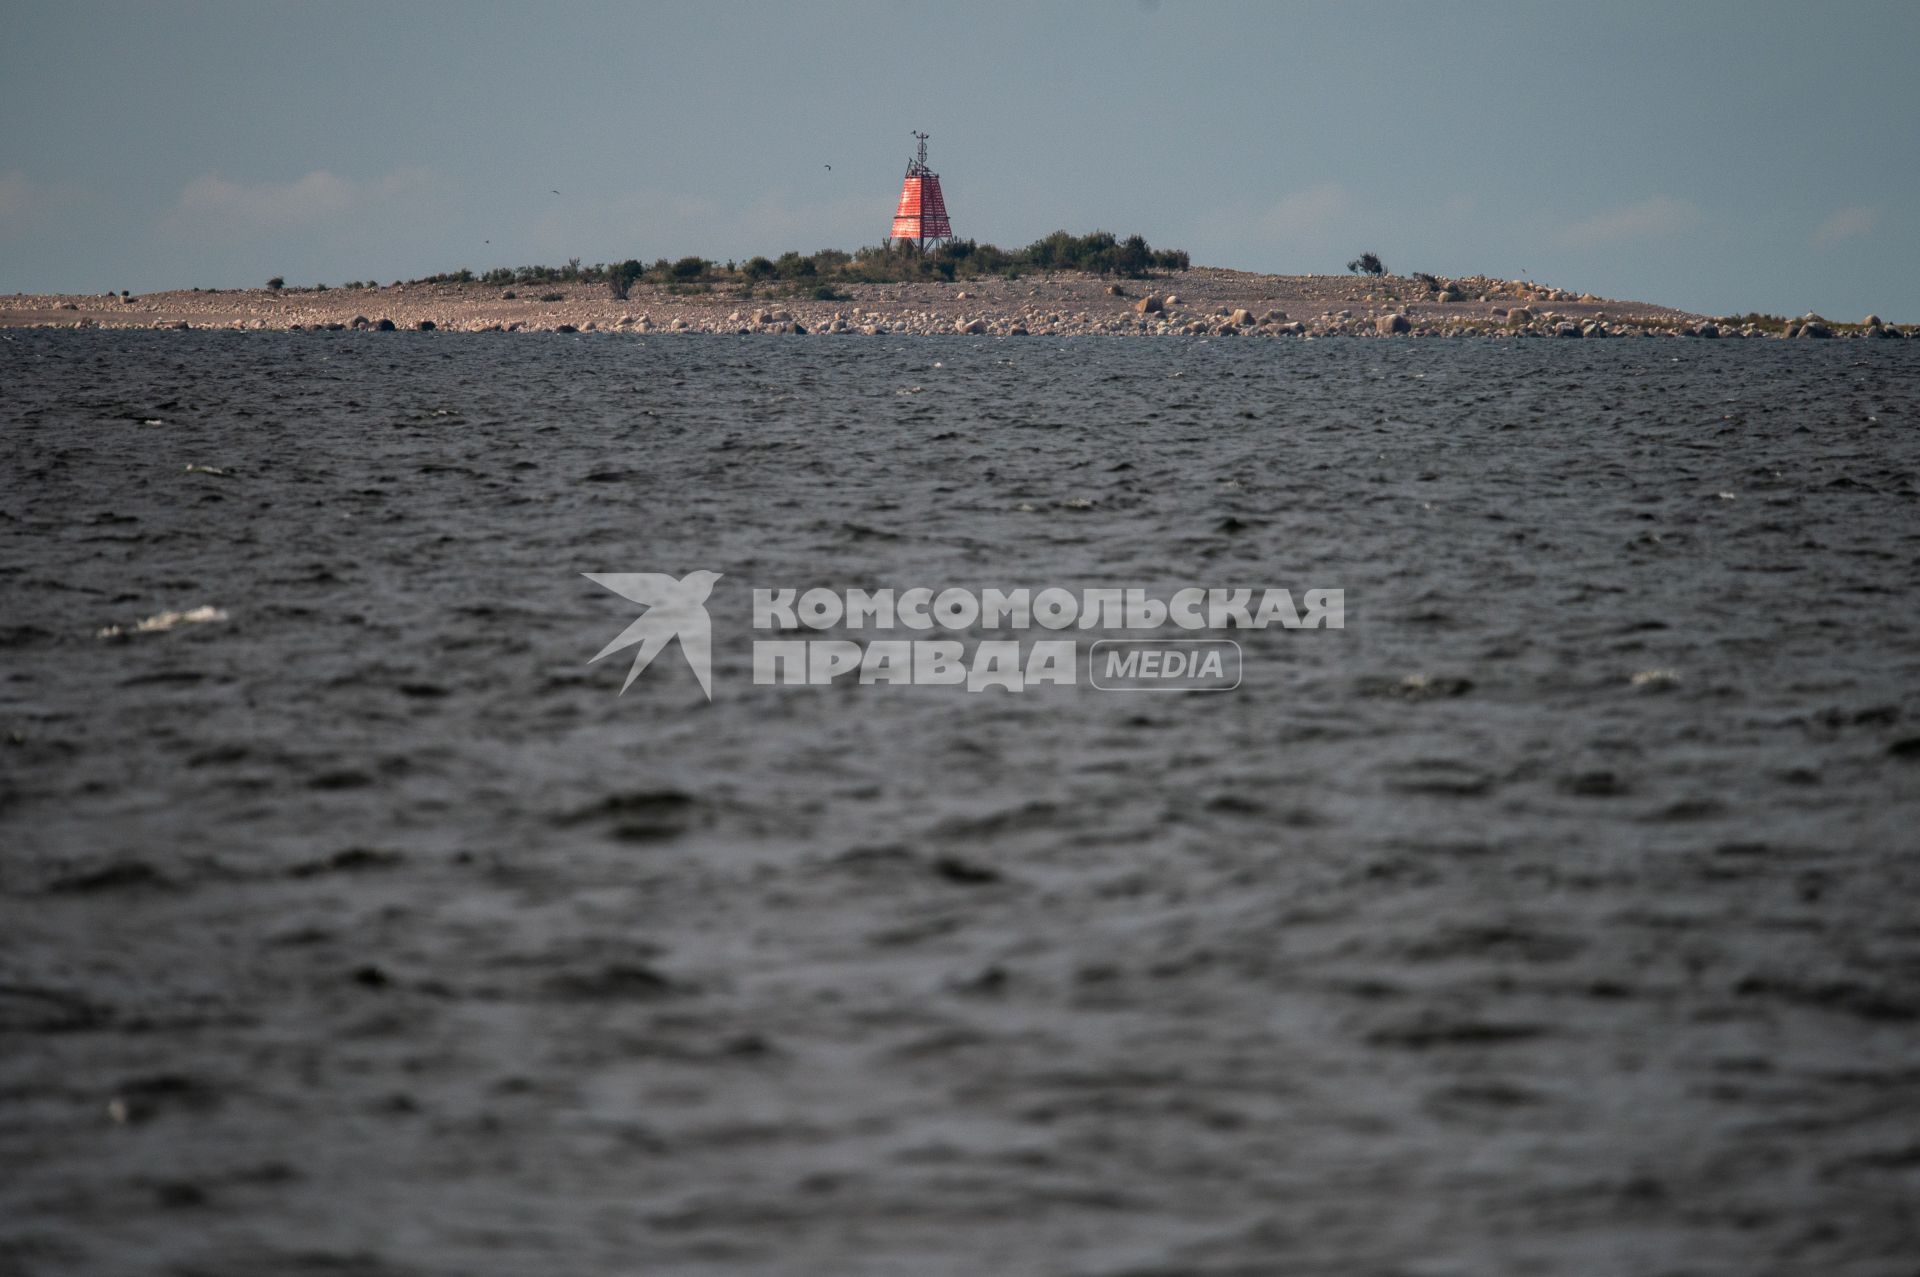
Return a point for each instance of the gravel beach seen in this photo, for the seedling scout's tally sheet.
(1200, 301)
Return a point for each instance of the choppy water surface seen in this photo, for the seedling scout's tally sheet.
(366, 930)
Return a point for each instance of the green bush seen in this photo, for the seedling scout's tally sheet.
(620, 278)
(896, 261)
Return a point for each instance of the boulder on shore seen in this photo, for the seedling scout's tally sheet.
(1386, 325)
(1149, 305)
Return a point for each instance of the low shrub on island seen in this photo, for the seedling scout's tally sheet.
(898, 261)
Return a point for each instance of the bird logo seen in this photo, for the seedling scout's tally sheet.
(675, 608)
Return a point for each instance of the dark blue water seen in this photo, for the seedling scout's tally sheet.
(1555, 916)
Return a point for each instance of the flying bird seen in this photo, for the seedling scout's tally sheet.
(675, 609)
(551, 189)
(829, 168)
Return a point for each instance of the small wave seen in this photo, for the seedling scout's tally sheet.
(161, 622)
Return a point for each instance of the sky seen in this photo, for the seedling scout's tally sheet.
(1721, 157)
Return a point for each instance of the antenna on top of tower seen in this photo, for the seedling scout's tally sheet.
(919, 166)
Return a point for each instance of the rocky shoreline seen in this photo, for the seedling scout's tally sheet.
(1203, 301)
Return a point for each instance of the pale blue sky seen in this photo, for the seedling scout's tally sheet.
(1718, 156)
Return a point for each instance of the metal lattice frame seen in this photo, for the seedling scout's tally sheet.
(922, 212)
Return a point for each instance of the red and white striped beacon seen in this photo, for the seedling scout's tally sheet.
(922, 215)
